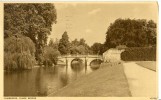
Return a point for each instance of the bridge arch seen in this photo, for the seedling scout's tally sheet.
(78, 65)
(95, 64)
(95, 61)
(76, 59)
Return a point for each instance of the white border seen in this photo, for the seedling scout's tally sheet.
(1, 41)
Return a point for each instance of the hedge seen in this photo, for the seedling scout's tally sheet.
(139, 54)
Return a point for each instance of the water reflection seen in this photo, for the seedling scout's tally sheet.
(64, 79)
(40, 84)
(41, 81)
(95, 64)
(77, 65)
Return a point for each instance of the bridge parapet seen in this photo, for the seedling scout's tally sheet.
(80, 56)
(85, 58)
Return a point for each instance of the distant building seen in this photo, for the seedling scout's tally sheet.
(113, 54)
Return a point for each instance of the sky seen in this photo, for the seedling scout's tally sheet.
(91, 20)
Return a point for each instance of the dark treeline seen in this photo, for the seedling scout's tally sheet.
(129, 33)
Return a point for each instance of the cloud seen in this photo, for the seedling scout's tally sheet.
(94, 11)
(88, 30)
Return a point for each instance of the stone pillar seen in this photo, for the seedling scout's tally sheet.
(85, 65)
(66, 61)
(85, 61)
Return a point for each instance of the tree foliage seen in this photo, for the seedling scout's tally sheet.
(19, 52)
(98, 48)
(54, 44)
(50, 56)
(131, 32)
(64, 44)
(33, 20)
(79, 47)
(51, 53)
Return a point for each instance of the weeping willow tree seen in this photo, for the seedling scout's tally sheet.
(19, 53)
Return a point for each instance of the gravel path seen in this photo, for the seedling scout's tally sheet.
(142, 81)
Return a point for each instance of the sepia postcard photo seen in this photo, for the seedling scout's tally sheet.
(80, 49)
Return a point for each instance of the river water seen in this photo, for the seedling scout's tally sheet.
(41, 81)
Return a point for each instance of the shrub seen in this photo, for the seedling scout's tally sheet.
(50, 56)
(139, 54)
(19, 52)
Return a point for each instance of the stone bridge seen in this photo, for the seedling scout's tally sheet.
(87, 59)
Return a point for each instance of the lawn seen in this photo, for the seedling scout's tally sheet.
(147, 64)
(108, 81)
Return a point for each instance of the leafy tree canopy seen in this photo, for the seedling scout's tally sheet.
(54, 44)
(98, 48)
(79, 47)
(33, 20)
(19, 44)
(131, 32)
(64, 44)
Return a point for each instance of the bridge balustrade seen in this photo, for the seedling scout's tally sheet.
(85, 57)
(75, 56)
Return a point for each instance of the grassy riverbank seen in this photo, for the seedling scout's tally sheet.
(106, 81)
(147, 64)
